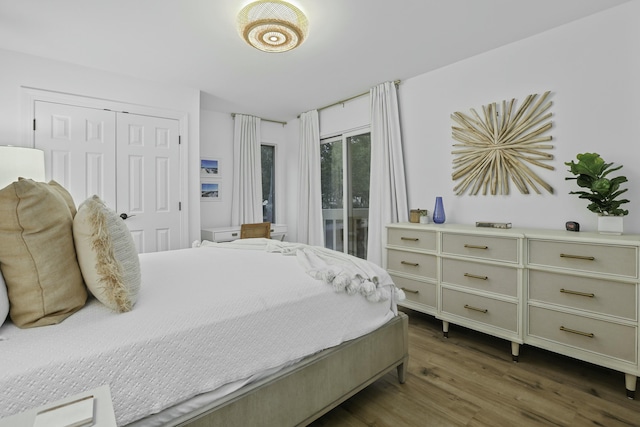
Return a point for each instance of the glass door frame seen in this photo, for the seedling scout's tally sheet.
(347, 193)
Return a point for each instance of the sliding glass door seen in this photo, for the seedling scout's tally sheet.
(345, 169)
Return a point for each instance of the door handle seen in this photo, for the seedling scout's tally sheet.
(125, 216)
(588, 258)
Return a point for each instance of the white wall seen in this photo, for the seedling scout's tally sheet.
(343, 118)
(216, 132)
(20, 70)
(216, 141)
(592, 69)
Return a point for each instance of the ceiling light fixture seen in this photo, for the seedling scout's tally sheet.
(272, 25)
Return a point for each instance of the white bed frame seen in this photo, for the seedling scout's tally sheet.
(305, 391)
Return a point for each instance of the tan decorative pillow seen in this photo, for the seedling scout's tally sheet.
(37, 254)
(107, 255)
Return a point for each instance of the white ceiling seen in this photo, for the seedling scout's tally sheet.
(352, 44)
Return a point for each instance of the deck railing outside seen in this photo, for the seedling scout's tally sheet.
(356, 234)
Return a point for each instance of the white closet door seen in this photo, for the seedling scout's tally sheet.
(130, 161)
(80, 149)
(148, 184)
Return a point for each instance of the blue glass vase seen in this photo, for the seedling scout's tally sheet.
(439, 216)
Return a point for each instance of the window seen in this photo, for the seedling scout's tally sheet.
(345, 167)
(268, 156)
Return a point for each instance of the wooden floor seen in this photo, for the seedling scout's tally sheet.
(470, 380)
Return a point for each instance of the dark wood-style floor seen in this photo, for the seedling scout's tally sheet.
(470, 380)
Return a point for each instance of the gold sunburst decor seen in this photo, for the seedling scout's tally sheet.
(500, 147)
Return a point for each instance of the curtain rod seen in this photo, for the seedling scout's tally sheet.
(396, 82)
(265, 120)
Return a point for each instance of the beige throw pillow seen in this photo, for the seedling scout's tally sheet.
(107, 255)
(37, 254)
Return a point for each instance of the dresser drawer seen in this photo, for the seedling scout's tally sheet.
(608, 259)
(601, 296)
(416, 291)
(485, 247)
(491, 278)
(414, 239)
(412, 263)
(501, 314)
(609, 339)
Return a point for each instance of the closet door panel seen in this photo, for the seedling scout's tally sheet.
(80, 148)
(131, 161)
(148, 164)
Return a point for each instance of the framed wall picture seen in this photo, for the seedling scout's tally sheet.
(210, 191)
(209, 167)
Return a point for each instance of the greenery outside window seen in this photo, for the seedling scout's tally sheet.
(268, 159)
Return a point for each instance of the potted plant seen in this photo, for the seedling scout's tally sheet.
(424, 216)
(592, 173)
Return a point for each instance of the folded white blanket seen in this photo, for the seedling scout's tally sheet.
(346, 273)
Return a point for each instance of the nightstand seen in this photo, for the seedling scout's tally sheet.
(103, 415)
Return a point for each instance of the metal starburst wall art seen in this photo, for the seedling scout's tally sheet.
(500, 147)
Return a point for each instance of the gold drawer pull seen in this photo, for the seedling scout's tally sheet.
(573, 331)
(473, 276)
(481, 310)
(582, 294)
(588, 258)
(412, 264)
(411, 291)
(411, 239)
(475, 246)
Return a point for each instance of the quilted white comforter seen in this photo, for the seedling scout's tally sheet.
(205, 317)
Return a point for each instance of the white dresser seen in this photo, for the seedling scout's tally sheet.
(227, 234)
(571, 293)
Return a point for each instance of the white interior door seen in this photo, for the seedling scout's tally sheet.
(80, 149)
(148, 185)
(130, 161)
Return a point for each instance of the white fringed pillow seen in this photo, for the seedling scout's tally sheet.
(4, 300)
(107, 255)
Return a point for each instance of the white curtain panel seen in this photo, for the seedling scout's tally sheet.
(388, 190)
(310, 230)
(246, 203)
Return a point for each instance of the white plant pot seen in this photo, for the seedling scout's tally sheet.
(610, 224)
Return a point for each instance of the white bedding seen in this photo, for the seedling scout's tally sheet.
(205, 317)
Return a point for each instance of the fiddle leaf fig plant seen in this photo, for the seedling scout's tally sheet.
(592, 173)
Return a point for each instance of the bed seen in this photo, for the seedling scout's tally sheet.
(221, 334)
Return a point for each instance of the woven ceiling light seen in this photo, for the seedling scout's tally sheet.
(272, 25)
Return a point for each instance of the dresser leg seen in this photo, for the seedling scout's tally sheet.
(515, 351)
(445, 329)
(630, 383)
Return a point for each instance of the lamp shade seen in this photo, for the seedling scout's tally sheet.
(22, 162)
(272, 25)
